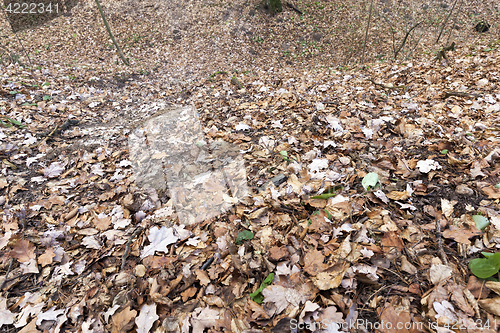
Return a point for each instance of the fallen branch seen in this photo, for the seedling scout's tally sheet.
(439, 241)
(58, 129)
(459, 94)
(127, 247)
(446, 21)
(386, 86)
(404, 40)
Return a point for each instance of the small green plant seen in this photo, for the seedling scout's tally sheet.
(485, 267)
(284, 155)
(244, 235)
(258, 39)
(257, 296)
(480, 221)
(444, 151)
(11, 121)
(370, 181)
(47, 98)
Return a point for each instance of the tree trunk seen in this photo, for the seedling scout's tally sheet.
(273, 6)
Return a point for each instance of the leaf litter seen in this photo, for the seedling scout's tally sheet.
(354, 211)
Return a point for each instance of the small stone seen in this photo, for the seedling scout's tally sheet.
(140, 270)
(464, 190)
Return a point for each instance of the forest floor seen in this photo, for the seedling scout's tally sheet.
(242, 175)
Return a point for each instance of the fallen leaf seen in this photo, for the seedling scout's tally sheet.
(23, 251)
(313, 262)
(123, 321)
(159, 239)
(146, 318)
(46, 258)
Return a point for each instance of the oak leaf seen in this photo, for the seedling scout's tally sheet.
(23, 251)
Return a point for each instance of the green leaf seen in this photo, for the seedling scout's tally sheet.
(244, 235)
(328, 215)
(13, 92)
(257, 296)
(45, 84)
(485, 267)
(369, 180)
(497, 185)
(324, 196)
(487, 254)
(5, 124)
(47, 98)
(444, 151)
(481, 221)
(15, 122)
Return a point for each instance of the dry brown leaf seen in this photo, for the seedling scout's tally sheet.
(491, 192)
(123, 321)
(188, 293)
(400, 322)
(107, 195)
(46, 258)
(460, 235)
(30, 328)
(477, 287)
(23, 251)
(102, 223)
(491, 305)
(330, 278)
(398, 195)
(202, 276)
(313, 262)
(157, 261)
(391, 240)
(278, 253)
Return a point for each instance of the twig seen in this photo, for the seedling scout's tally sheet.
(7, 274)
(404, 40)
(208, 263)
(120, 53)
(446, 21)
(22, 46)
(127, 247)
(439, 240)
(459, 94)
(393, 32)
(366, 33)
(45, 138)
(385, 86)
